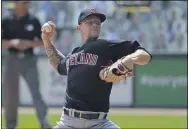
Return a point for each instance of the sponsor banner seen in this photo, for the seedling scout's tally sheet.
(162, 83)
(122, 93)
(53, 87)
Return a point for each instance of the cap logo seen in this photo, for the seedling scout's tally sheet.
(92, 10)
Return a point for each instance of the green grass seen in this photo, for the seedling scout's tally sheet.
(124, 121)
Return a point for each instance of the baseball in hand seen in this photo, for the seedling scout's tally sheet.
(47, 27)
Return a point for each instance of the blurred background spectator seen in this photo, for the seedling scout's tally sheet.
(163, 29)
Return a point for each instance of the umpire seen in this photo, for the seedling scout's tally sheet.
(20, 34)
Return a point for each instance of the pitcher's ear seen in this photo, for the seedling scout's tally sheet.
(78, 27)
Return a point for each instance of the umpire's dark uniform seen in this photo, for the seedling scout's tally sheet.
(21, 63)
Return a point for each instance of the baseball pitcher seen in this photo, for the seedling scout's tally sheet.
(92, 68)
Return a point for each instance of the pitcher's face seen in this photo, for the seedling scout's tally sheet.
(91, 27)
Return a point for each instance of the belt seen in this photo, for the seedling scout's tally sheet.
(88, 116)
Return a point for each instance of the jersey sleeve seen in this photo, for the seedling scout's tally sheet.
(37, 29)
(119, 49)
(63, 66)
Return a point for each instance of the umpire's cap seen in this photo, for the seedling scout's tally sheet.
(88, 12)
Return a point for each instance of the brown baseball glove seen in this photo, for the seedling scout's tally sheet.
(118, 71)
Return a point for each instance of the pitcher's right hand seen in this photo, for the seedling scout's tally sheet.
(46, 37)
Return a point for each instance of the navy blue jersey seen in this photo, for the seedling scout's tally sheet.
(85, 90)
